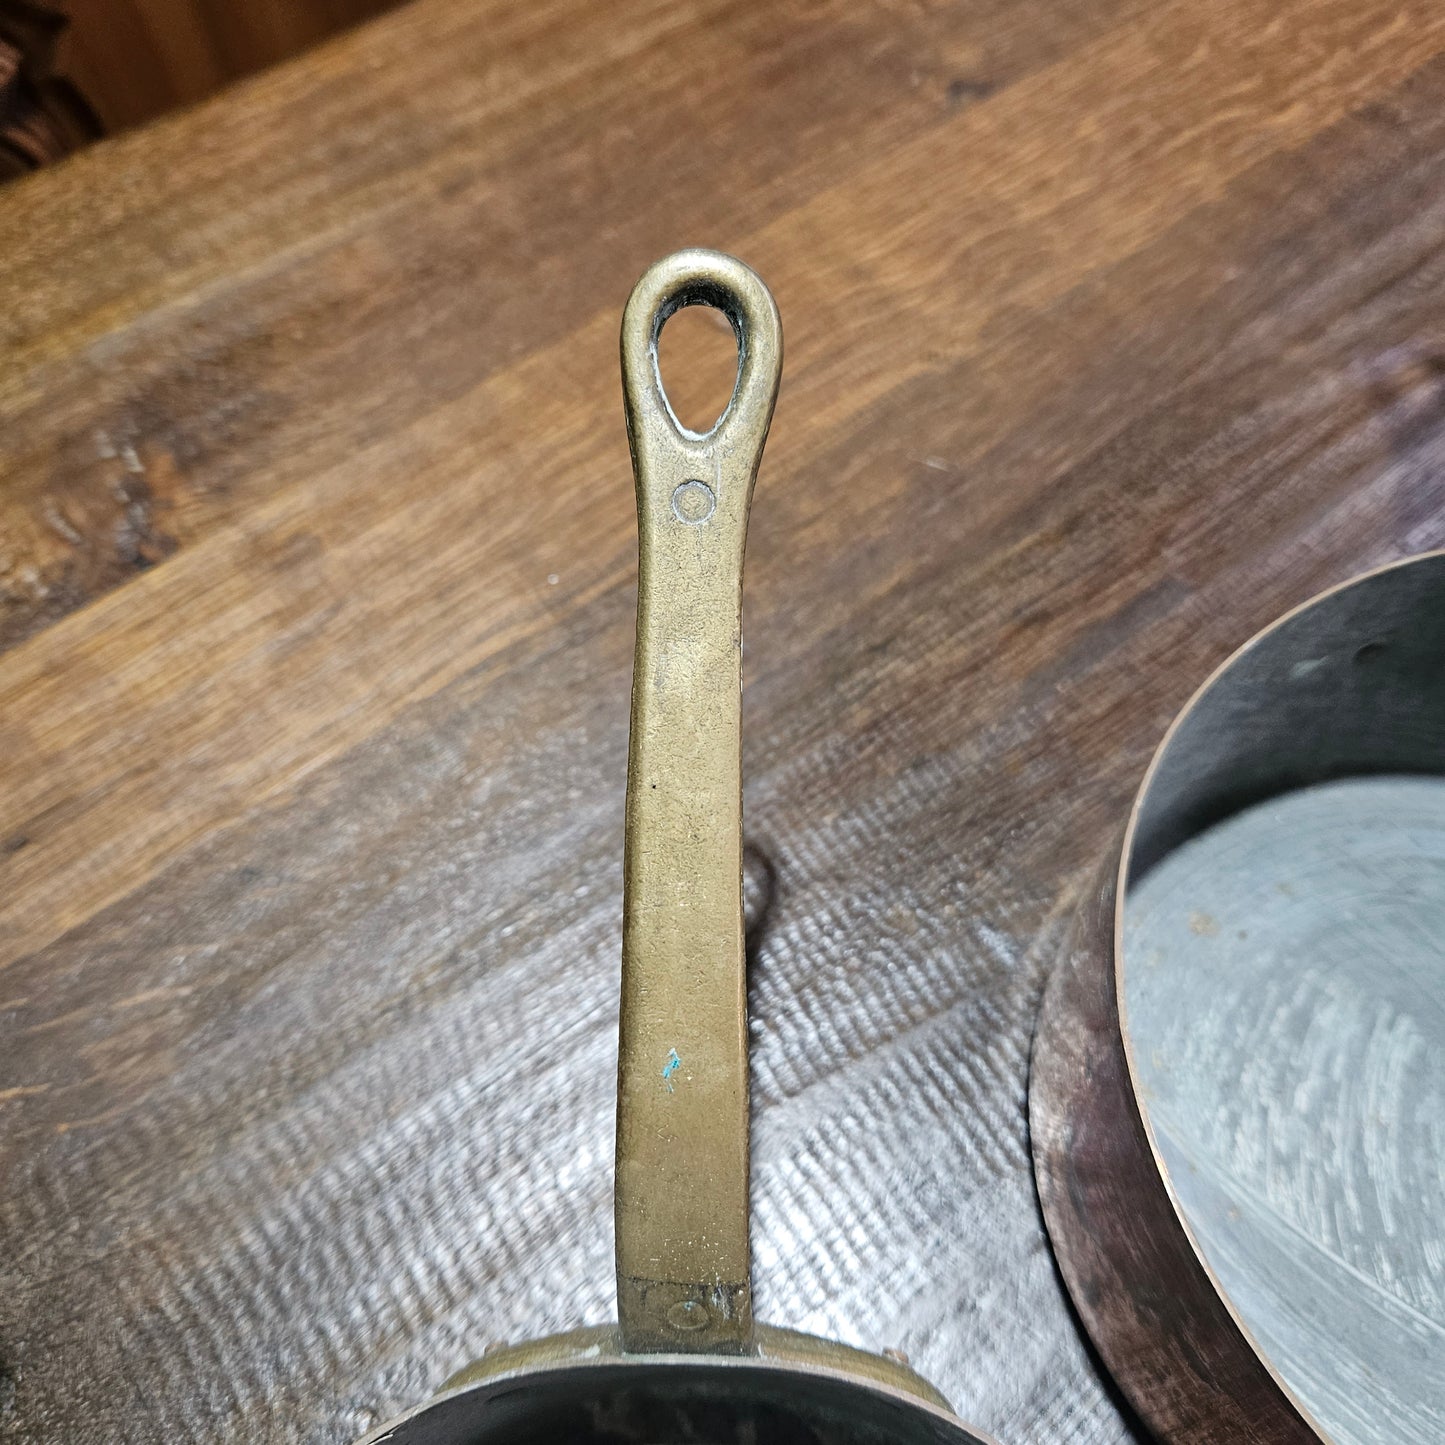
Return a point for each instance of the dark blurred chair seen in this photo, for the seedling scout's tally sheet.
(71, 70)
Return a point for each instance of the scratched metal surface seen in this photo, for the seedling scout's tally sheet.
(1285, 1004)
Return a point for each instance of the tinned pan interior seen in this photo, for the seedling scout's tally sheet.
(1350, 684)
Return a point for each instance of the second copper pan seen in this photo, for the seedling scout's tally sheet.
(1238, 1089)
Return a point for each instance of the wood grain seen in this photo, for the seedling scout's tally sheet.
(1112, 330)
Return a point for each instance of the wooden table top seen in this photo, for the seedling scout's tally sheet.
(1114, 328)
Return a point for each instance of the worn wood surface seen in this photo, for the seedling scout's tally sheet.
(1112, 328)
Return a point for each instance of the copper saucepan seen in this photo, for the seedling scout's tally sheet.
(686, 1361)
(1237, 1099)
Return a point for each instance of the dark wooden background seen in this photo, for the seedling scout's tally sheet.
(71, 70)
(1114, 328)
(135, 59)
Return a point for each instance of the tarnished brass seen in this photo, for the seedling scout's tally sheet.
(685, 1360)
(683, 1280)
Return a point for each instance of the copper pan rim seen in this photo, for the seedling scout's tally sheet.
(1086, 1081)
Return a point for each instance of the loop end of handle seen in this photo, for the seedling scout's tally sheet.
(701, 277)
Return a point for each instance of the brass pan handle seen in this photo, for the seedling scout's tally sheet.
(683, 1262)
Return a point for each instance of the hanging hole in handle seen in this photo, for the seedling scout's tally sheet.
(697, 363)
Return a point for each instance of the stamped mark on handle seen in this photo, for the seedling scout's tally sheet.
(683, 1264)
(693, 502)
